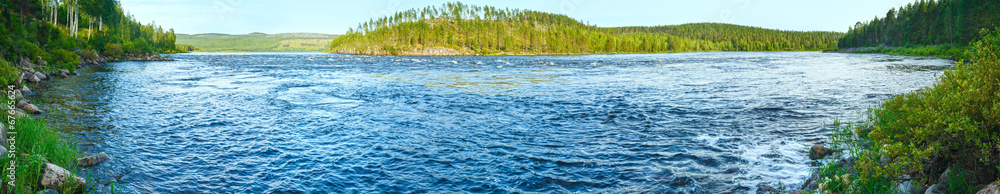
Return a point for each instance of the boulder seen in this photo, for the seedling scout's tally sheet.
(765, 188)
(26, 75)
(21, 103)
(818, 151)
(936, 189)
(55, 177)
(990, 189)
(92, 160)
(41, 75)
(25, 90)
(18, 95)
(31, 108)
(34, 79)
(18, 113)
(64, 71)
(63, 75)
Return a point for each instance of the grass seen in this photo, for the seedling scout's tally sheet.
(256, 42)
(35, 144)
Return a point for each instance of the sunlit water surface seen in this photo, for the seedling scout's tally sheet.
(293, 123)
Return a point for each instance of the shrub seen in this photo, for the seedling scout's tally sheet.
(65, 59)
(8, 73)
(89, 54)
(956, 121)
(114, 50)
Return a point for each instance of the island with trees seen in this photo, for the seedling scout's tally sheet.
(460, 29)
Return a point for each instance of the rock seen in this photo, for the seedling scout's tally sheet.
(818, 151)
(47, 191)
(34, 79)
(41, 75)
(63, 75)
(31, 108)
(26, 75)
(92, 160)
(765, 188)
(18, 95)
(906, 186)
(992, 188)
(25, 90)
(21, 103)
(18, 113)
(54, 177)
(936, 189)
(64, 71)
(3, 137)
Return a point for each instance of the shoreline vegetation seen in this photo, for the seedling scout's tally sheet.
(44, 40)
(456, 29)
(943, 138)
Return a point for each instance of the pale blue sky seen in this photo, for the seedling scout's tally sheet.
(335, 17)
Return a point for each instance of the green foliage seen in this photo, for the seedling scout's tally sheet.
(956, 121)
(114, 50)
(941, 51)
(65, 59)
(256, 42)
(36, 143)
(489, 30)
(940, 22)
(8, 73)
(958, 182)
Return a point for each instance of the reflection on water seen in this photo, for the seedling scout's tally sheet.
(291, 123)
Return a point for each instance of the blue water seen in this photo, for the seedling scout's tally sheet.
(318, 123)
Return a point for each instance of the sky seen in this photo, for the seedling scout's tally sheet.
(336, 16)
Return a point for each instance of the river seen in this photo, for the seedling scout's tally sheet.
(312, 122)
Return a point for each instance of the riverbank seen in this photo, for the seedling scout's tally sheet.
(39, 157)
(939, 139)
(952, 52)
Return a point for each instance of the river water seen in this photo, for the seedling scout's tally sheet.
(317, 123)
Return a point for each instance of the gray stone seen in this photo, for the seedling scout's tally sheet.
(31, 108)
(990, 189)
(765, 188)
(92, 160)
(25, 90)
(34, 79)
(18, 113)
(818, 151)
(64, 71)
(55, 177)
(21, 103)
(936, 189)
(41, 75)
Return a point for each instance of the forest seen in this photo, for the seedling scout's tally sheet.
(61, 32)
(924, 23)
(486, 30)
(256, 42)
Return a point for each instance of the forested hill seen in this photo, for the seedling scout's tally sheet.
(37, 35)
(458, 29)
(941, 22)
(258, 42)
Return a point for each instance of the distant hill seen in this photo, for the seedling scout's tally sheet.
(459, 29)
(257, 42)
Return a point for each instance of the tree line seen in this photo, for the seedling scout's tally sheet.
(926, 22)
(491, 30)
(60, 32)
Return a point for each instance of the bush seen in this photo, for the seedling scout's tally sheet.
(89, 54)
(114, 50)
(956, 121)
(65, 59)
(8, 73)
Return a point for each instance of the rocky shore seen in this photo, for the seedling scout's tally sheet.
(54, 177)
